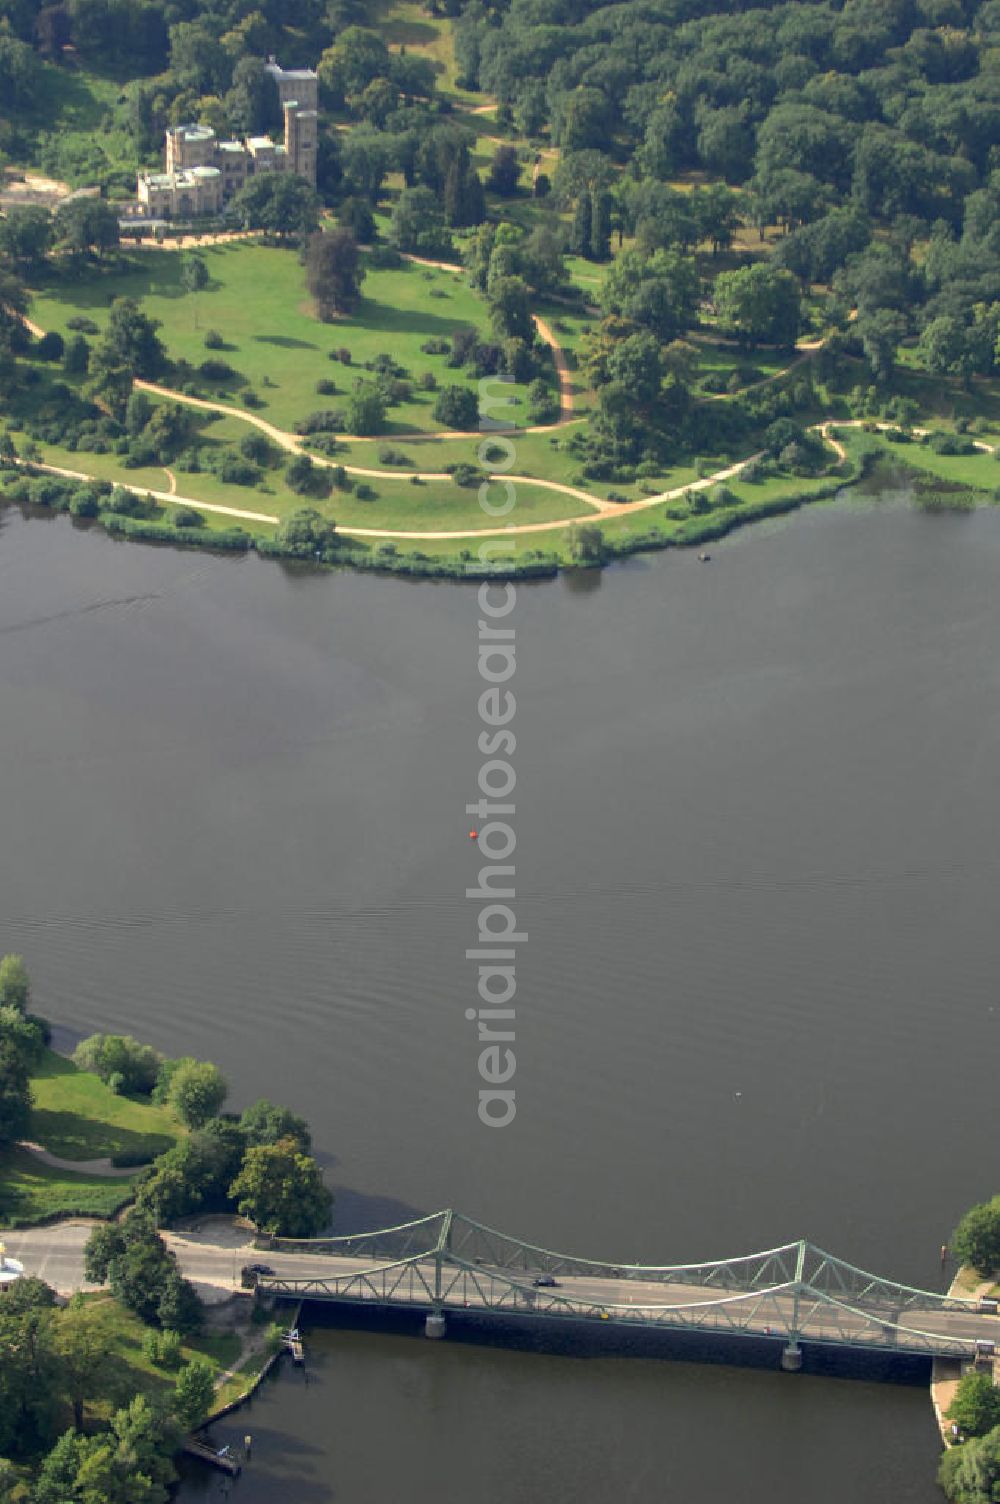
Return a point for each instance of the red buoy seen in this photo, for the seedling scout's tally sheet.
(473, 835)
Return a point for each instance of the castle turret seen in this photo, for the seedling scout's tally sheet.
(301, 131)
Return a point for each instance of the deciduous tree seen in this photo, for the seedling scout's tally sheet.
(281, 1190)
(333, 271)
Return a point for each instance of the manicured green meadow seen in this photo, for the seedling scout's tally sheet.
(33, 1192)
(405, 23)
(398, 503)
(980, 471)
(76, 1116)
(258, 301)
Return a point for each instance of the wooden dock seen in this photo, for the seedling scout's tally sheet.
(204, 1453)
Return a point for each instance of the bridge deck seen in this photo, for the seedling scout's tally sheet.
(789, 1309)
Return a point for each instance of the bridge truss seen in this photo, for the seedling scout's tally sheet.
(796, 1291)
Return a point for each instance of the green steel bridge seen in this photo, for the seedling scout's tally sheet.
(796, 1292)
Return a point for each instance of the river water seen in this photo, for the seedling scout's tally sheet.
(757, 864)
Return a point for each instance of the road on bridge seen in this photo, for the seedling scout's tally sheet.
(876, 1320)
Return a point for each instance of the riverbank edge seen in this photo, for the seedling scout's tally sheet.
(693, 532)
(946, 1372)
(231, 1406)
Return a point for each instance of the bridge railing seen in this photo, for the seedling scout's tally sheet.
(476, 1243)
(786, 1311)
(824, 1272)
(421, 1236)
(459, 1239)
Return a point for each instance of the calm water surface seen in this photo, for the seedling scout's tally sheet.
(757, 862)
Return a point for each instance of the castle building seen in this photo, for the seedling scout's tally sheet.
(201, 174)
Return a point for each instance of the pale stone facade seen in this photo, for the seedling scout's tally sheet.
(201, 174)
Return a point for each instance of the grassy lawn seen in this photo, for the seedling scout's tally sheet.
(449, 506)
(398, 503)
(243, 1377)
(131, 1372)
(406, 24)
(713, 359)
(979, 471)
(32, 1192)
(257, 300)
(76, 1116)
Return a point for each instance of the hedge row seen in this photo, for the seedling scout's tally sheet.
(162, 532)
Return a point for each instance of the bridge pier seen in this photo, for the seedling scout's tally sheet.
(791, 1357)
(435, 1325)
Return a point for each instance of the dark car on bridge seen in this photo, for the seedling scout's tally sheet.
(545, 1282)
(250, 1273)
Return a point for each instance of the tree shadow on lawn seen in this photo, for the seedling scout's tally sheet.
(14, 1204)
(285, 341)
(157, 275)
(381, 318)
(410, 34)
(72, 1136)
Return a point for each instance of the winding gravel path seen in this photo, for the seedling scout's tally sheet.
(78, 1166)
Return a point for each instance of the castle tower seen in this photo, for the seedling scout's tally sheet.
(301, 131)
(298, 85)
(190, 146)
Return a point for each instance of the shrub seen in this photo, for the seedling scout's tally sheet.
(234, 470)
(943, 442)
(258, 448)
(364, 492)
(457, 407)
(216, 370)
(170, 1349)
(250, 398)
(543, 403)
(323, 420)
(213, 340)
(119, 1055)
(721, 496)
(82, 324)
(436, 346)
(389, 456)
(307, 534)
(188, 517)
(466, 475)
(427, 381)
(326, 388)
(50, 346)
(585, 544)
(305, 478)
(85, 502)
